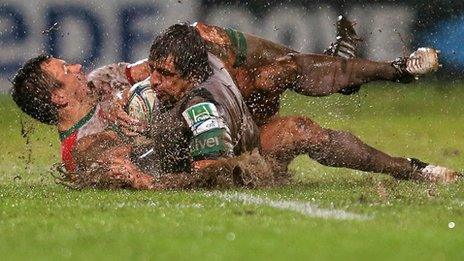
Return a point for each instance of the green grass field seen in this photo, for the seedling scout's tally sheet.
(42, 220)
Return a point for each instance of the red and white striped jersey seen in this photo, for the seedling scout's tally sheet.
(110, 78)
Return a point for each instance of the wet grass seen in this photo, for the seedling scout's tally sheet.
(42, 220)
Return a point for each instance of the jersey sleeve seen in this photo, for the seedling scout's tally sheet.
(239, 43)
(210, 132)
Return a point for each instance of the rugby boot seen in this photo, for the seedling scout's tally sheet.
(345, 46)
(421, 62)
(347, 40)
(431, 173)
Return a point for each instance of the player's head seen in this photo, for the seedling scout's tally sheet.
(178, 60)
(44, 84)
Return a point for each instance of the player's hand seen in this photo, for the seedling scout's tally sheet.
(120, 168)
(114, 112)
(202, 164)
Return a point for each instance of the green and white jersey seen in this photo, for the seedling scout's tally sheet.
(218, 119)
(211, 121)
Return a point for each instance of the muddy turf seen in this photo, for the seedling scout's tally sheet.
(326, 213)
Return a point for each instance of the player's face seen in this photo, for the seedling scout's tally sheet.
(167, 82)
(72, 79)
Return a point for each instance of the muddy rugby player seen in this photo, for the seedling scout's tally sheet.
(71, 106)
(174, 63)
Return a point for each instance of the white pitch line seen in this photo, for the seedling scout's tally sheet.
(304, 208)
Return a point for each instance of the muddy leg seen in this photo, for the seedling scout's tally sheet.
(321, 75)
(286, 137)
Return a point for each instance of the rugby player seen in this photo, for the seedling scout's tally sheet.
(127, 73)
(81, 110)
(174, 62)
(58, 93)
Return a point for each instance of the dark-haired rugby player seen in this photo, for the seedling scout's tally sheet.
(180, 55)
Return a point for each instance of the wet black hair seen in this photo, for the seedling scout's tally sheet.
(31, 90)
(187, 48)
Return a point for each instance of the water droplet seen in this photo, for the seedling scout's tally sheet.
(451, 225)
(230, 236)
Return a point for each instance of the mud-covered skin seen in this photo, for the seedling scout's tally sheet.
(111, 78)
(270, 69)
(261, 96)
(97, 170)
(284, 138)
(103, 161)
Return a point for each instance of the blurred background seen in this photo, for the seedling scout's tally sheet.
(99, 32)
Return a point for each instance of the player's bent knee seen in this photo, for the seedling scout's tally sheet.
(293, 133)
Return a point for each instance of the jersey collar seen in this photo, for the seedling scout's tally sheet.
(80, 123)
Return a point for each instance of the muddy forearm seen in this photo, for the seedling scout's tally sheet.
(130, 176)
(110, 79)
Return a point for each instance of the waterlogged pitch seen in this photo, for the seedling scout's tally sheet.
(325, 214)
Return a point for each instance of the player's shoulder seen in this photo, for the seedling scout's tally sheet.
(196, 96)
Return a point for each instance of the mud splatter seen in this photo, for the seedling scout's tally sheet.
(27, 128)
